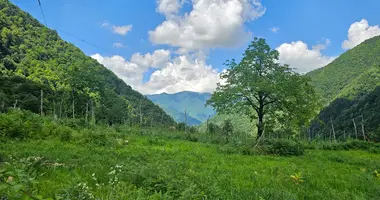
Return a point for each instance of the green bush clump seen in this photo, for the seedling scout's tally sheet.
(98, 138)
(20, 125)
(282, 148)
(65, 134)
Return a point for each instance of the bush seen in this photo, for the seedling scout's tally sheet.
(20, 125)
(282, 148)
(98, 138)
(65, 134)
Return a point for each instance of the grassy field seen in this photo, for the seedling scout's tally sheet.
(158, 168)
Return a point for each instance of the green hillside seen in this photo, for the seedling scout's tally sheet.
(35, 58)
(352, 77)
(344, 76)
(193, 102)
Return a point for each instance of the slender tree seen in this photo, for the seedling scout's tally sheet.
(263, 89)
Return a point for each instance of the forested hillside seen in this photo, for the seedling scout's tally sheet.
(35, 62)
(192, 102)
(350, 74)
(350, 85)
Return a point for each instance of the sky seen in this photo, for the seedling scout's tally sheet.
(170, 46)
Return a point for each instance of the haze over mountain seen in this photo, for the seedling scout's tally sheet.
(176, 104)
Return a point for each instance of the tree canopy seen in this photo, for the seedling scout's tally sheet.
(263, 89)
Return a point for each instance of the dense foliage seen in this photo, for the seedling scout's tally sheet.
(35, 58)
(261, 88)
(344, 114)
(194, 103)
(344, 76)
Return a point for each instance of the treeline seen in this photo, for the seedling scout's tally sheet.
(343, 118)
(35, 63)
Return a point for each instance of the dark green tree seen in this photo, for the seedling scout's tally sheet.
(261, 88)
(227, 129)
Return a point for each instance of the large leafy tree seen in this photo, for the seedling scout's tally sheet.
(263, 89)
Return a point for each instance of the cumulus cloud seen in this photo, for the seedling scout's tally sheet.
(359, 32)
(274, 29)
(169, 7)
(121, 30)
(157, 60)
(210, 23)
(299, 56)
(186, 72)
(118, 45)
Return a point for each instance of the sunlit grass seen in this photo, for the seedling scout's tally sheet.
(174, 169)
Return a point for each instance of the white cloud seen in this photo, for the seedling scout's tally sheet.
(157, 60)
(104, 24)
(210, 24)
(131, 73)
(122, 30)
(359, 32)
(274, 29)
(185, 72)
(118, 45)
(169, 7)
(299, 56)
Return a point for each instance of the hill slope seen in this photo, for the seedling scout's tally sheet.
(344, 76)
(352, 77)
(36, 58)
(193, 102)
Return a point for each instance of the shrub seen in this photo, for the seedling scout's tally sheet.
(20, 125)
(98, 138)
(65, 134)
(282, 148)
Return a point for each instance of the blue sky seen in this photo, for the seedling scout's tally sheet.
(194, 62)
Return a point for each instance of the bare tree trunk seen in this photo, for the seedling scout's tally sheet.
(93, 113)
(15, 104)
(73, 109)
(356, 131)
(42, 103)
(185, 121)
(86, 112)
(364, 138)
(60, 108)
(333, 130)
(140, 116)
(54, 114)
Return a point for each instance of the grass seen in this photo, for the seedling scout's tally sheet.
(159, 168)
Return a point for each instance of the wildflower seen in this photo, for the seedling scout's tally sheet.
(297, 178)
(10, 179)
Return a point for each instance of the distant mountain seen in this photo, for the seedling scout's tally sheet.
(176, 104)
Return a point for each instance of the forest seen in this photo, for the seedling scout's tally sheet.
(71, 129)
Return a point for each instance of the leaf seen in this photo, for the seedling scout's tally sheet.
(17, 187)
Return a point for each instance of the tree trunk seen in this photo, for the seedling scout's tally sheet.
(364, 138)
(333, 130)
(260, 127)
(260, 114)
(356, 130)
(42, 103)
